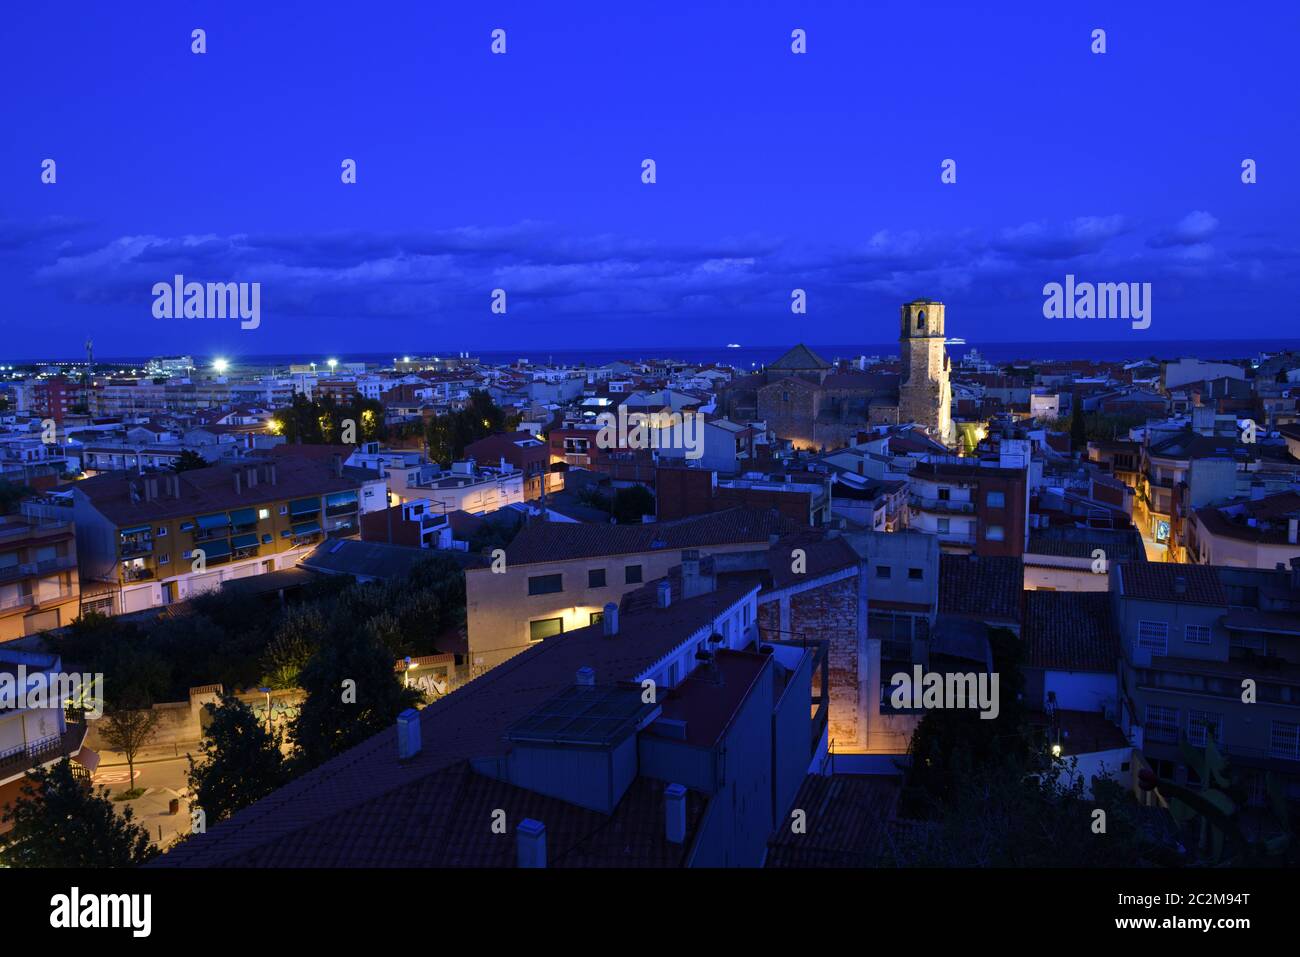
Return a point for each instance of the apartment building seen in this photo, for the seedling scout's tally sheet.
(802, 497)
(1211, 652)
(971, 508)
(522, 451)
(36, 737)
(1249, 533)
(467, 487)
(559, 576)
(150, 540)
(588, 770)
(39, 585)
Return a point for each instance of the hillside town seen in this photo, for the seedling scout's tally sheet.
(534, 546)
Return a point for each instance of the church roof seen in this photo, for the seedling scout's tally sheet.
(800, 357)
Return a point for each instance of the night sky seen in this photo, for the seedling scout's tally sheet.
(523, 171)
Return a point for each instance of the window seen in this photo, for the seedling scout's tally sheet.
(545, 628)
(284, 509)
(995, 533)
(1197, 635)
(1202, 725)
(785, 396)
(915, 574)
(1284, 740)
(162, 531)
(545, 584)
(882, 571)
(1162, 723)
(944, 526)
(596, 578)
(596, 618)
(264, 513)
(164, 559)
(996, 500)
(1154, 636)
(945, 494)
(632, 574)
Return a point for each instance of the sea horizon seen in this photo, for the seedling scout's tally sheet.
(748, 356)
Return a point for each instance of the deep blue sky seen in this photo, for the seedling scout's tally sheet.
(523, 171)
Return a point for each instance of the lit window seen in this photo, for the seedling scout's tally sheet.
(995, 533)
(265, 513)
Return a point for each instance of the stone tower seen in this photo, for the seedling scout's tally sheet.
(925, 395)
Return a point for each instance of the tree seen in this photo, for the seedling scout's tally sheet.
(11, 493)
(128, 731)
(352, 694)
(631, 503)
(1078, 430)
(59, 821)
(188, 461)
(241, 761)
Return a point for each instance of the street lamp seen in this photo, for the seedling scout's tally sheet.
(332, 363)
(267, 692)
(221, 365)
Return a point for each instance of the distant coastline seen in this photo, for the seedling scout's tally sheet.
(747, 356)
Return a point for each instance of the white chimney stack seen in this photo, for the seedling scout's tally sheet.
(532, 843)
(610, 621)
(586, 677)
(408, 734)
(665, 593)
(675, 813)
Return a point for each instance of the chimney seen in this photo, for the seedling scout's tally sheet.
(675, 814)
(610, 621)
(586, 677)
(664, 593)
(176, 486)
(1180, 585)
(338, 465)
(1292, 530)
(252, 477)
(408, 734)
(239, 483)
(532, 843)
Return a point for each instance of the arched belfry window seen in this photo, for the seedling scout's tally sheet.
(920, 319)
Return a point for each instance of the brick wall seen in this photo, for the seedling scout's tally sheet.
(829, 612)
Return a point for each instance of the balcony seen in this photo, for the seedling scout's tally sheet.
(136, 546)
(16, 601)
(34, 569)
(941, 505)
(24, 758)
(137, 574)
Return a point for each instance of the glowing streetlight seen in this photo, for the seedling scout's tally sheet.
(221, 365)
(332, 363)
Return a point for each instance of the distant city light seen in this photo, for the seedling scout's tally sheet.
(332, 363)
(221, 365)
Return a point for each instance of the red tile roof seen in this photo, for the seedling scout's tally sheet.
(359, 808)
(562, 541)
(1159, 581)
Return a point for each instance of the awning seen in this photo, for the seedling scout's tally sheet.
(243, 516)
(136, 529)
(244, 541)
(88, 759)
(215, 549)
(304, 506)
(219, 520)
(306, 528)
